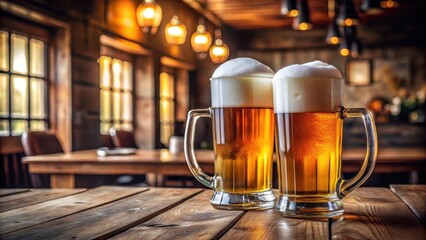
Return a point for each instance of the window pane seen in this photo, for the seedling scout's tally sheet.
(127, 75)
(105, 126)
(38, 99)
(127, 126)
(105, 105)
(4, 128)
(167, 111)
(19, 97)
(37, 58)
(19, 54)
(116, 73)
(38, 125)
(127, 109)
(164, 84)
(116, 105)
(105, 63)
(4, 95)
(166, 132)
(4, 51)
(18, 127)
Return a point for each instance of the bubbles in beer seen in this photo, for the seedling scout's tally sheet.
(310, 87)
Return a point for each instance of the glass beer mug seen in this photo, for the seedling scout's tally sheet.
(243, 136)
(308, 131)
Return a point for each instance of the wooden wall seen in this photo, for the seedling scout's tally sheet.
(89, 20)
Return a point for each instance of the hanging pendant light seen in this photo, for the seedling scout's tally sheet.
(333, 34)
(201, 40)
(149, 15)
(289, 8)
(175, 32)
(371, 7)
(346, 43)
(389, 4)
(219, 52)
(347, 14)
(303, 21)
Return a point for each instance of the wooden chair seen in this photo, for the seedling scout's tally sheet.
(122, 138)
(38, 143)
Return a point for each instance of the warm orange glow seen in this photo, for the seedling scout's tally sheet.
(348, 22)
(334, 40)
(344, 52)
(149, 15)
(175, 32)
(201, 40)
(293, 13)
(219, 52)
(389, 4)
(304, 26)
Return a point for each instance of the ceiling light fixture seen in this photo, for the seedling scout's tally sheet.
(303, 21)
(289, 8)
(201, 40)
(219, 52)
(148, 16)
(347, 14)
(175, 32)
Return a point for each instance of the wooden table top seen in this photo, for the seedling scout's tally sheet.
(185, 213)
(154, 156)
(163, 156)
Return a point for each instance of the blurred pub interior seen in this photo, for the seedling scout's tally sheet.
(78, 68)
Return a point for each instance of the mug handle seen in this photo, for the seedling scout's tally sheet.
(344, 187)
(191, 121)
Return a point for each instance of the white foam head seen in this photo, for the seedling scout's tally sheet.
(310, 87)
(242, 82)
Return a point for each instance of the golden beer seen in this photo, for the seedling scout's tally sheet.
(309, 152)
(243, 144)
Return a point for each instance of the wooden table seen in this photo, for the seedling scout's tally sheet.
(64, 167)
(178, 213)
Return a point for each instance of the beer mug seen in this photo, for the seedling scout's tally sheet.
(308, 130)
(243, 136)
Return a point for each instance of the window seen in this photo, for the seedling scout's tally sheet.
(116, 94)
(23, 84)
(167, 107)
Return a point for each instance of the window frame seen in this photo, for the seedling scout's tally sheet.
(113, 53)
(46, 79)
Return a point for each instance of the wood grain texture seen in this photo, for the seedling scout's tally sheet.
(46, 211)
(195, 218)
(107, 220)
(34, 196)
(270, 224)
(376, 213)
(415, 197)
(11, 191)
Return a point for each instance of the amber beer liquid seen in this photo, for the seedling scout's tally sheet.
(308, 152)
(243, 144)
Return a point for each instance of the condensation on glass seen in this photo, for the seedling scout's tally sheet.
(116, 96)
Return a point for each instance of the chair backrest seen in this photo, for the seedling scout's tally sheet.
(37, 143)
(122, 138)
(107, 141)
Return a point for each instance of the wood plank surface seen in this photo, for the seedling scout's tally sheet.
(34, 196)
(11, 191)
(376, 213)
(46, 211)
(195, 219)
(415, 197)
(107, 220)
(270, 224)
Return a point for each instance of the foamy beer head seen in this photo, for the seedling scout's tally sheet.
(242, 82)
(310, 87)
